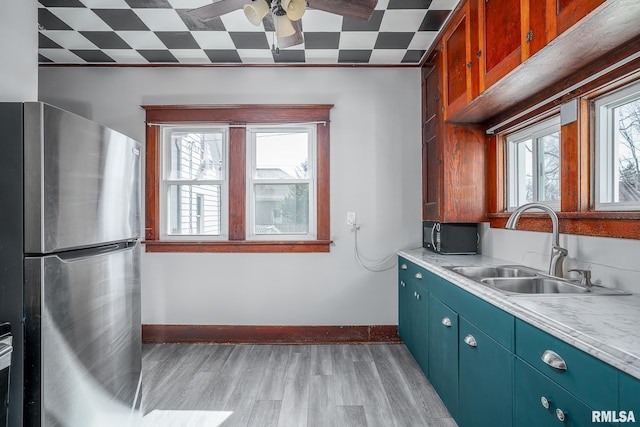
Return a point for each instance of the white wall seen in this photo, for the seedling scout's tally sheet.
(375, 171)
(614, 263)
(19, 50)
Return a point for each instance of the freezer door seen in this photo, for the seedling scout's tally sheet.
(82, 182)
(83, 338)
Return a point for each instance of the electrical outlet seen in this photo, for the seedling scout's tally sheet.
(351, 218)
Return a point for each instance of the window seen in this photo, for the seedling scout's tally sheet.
(533, 165)
(281, 175)
(617, 148)
(247, 178)
(194, 188)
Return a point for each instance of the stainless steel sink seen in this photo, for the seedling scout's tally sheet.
(535, 285)
(520, 280)
(499, 271)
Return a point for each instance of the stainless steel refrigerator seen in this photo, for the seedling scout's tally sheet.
(69, 267)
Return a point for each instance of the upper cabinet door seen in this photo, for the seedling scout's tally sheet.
(568, 12)
(458, 64)
(500, 39)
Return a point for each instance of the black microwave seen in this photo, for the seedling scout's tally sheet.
(450, 238)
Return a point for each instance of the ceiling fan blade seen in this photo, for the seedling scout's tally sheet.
(356, 9)
(294, 39)
(217, 8)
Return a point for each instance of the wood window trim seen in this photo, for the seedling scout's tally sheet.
(577, 215)
(157, 115)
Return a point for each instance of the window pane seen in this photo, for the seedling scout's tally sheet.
(281, 208)
(549, 172)
(195, 155)
(194, 210)
(627, 131)
(282, 155)
(523, 173)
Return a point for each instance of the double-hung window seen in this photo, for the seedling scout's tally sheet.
(281, 182)
(194, 191)
(239, 178)
(617, 149)
(533, 165)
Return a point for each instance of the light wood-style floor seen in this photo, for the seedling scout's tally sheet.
(287, 385)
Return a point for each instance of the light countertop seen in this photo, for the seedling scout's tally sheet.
(607, 327)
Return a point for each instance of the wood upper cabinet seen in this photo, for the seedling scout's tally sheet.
(500, 38)
(510, 31)
(452, 157)
(459, 67)
(567, 12)
(431, 129)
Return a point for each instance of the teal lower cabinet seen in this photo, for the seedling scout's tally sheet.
(491, 369)
(541, 402)
(443, 353)
(413, 312)
(629, 398)
(485, 387)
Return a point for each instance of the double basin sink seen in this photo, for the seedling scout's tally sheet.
(519, 280)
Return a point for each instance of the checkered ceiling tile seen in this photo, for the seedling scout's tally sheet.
(162, 32)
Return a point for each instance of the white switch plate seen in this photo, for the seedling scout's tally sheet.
(351, 218)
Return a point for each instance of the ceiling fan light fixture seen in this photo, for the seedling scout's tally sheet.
(284, 28)
(294, 8)
(255, 11)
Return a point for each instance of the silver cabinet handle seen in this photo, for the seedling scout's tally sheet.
(446, 322)
(554, 360)
(402, 283)
(417, 295)
(545, 402)
(470, 340)
(418, 275)
(403, 266)
(560, 414)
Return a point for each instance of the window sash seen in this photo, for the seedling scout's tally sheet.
(166, 215)
(253, 181)
(517, 163)
(607, 142)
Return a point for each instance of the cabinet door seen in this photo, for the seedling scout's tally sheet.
(405, 295)
(431, 164)
(629, 395)
(568, 12)
(485, 379)
(419, 322)
(500, 33)
(541, 402)
(443, 353)
(457, 63)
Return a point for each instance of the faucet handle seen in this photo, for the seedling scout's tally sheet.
(585, 277)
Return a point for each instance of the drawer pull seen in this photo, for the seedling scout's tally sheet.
(554, 360)
(403, 266)
(417, 295)
(560, 414)
(418, 275)
(402, 283)
(470, 341)
(446, 322)
(545, 402)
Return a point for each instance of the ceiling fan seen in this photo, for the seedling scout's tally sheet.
(285, 14)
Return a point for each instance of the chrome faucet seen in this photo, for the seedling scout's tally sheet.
(557, 253)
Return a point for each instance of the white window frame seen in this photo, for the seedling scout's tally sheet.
(251, 181)
(165, 183)
(605, 149)
(513, 162)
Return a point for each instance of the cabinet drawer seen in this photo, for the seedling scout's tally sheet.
(490, 319)
(532, 388)
(590, 379)
(410, 272)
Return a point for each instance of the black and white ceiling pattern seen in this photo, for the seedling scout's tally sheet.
(161, 32)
